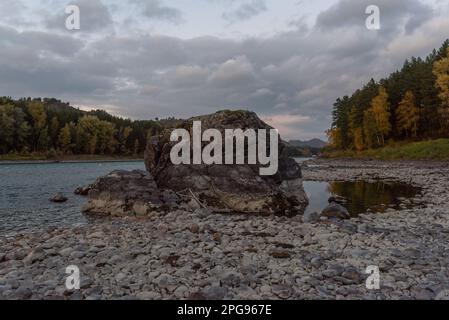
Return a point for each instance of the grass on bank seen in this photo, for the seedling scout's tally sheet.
(423, 150)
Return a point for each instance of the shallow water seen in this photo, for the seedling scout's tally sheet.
(26, 188)
(361, 196)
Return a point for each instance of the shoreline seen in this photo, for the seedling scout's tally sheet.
(183, 255)
(21, 162)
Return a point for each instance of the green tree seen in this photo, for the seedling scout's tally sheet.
(14, 129)
(54, 130)
(95, 136)
(39, 125)
(65, 138)
(124, 134)
(106, 141)
(7, 128)
(136, 146)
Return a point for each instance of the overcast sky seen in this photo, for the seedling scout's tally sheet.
(286, 60)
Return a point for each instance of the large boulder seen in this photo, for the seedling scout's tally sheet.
(129, 193)
(228, 188)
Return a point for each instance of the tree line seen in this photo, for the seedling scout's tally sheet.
(411, 104)
(48, 125)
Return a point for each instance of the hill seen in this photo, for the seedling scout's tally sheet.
(49, 127)
(314, 143)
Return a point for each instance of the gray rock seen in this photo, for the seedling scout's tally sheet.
(231, 279)
(181, 292)
(237, 188)
(59, 198)
(335, 210)
(133, 193)
(194, 228)
(148, 295)
(282, 291)
(311, 217)
(352, 274)
(423, 294)
(316, 262)
(215, 293)
(34, 256)
(23, 293)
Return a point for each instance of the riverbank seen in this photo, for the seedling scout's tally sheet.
(17, 159)
(435, 150)
(197, 255)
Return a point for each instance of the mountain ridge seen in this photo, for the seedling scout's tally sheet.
(313, 143)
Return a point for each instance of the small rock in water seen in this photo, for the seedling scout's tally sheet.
(59, 198)
(335, 210)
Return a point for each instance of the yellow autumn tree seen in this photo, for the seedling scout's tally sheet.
(65, 138)
(353, 132)
(358, 139)
(407, 115)
(441, 71)
(369, 129)
(335, 138)
(380, 108)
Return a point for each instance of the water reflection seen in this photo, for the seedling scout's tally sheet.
(360, 196)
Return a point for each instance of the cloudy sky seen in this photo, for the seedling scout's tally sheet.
(287, 60)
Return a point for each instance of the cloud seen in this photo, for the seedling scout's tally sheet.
(234, 72)
(394, 15)
(291, 78)
(245, 11)
(14, 9)
(288, 125)
(94, 16)
(188, 76)
(154, 9)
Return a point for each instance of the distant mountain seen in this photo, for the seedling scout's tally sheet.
(314, 143)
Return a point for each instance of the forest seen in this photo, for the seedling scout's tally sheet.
(412, 104)
(50, 127)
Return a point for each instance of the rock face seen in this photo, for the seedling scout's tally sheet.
(123, 193)
(232, 188)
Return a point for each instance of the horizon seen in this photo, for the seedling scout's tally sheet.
(145, 59)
